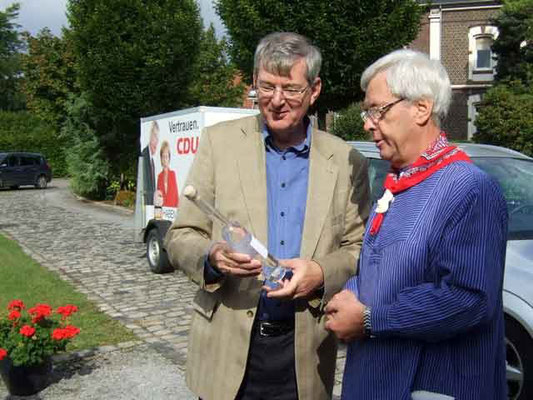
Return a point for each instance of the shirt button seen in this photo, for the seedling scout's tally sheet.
(250, 313)
(283, 185)
(282, 214)
(282, 242)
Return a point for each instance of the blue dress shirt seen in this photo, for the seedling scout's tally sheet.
(287, 173)
(287, 176)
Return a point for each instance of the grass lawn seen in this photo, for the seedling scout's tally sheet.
(23, 278)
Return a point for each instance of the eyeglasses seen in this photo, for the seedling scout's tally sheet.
(376, 113)
(266, 92)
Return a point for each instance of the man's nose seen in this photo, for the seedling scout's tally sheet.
(369, 125)
(277, 97)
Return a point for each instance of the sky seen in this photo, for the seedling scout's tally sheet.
(37, 14)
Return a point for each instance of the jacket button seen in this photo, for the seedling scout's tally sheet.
(250, 313)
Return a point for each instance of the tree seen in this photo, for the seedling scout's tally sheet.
(505, 115)
(86, 161)
(217, 82)
(514, 46)
(133, 58)
(350, 33)
(10, 47)
(49, 76)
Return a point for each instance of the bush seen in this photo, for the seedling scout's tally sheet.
(506, 117)
(22, 131)
(86, 163)
(348, 125)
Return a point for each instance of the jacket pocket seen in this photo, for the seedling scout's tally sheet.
(205, 303)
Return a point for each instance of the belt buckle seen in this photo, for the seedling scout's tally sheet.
(262, 331)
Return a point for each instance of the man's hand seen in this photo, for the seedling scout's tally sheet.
(344, 314)
(307, 277)
(230, 263)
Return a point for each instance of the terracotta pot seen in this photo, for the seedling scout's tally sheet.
(25, 380)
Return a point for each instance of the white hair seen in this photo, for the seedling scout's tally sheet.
(413, 76)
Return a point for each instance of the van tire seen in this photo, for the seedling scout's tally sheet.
(156, 255)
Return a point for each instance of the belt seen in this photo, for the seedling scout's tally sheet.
(274, 328)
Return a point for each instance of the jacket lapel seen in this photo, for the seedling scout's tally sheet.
(252, 176)
(322, 180)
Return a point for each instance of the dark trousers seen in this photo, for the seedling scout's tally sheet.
(270, 371)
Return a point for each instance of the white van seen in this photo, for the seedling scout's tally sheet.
(168, 144)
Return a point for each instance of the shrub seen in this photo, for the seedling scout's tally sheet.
(348, 125)
(506, 117)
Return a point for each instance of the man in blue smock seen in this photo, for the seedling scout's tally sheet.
(427, 322)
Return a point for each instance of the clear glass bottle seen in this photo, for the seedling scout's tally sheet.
(240, 240)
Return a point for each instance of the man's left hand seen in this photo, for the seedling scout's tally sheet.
(307, 277)
(345, 316)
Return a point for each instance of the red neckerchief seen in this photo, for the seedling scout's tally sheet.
(438, 155)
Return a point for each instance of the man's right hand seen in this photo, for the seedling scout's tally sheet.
(230, 263)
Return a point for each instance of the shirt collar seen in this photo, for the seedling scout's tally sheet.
(301, 149)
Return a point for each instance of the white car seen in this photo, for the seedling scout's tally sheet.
(514, 172)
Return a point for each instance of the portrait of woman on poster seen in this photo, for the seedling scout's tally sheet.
(166, 180)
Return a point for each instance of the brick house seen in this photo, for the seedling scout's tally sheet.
(460, 34)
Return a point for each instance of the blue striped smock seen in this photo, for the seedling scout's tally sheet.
(433, 277)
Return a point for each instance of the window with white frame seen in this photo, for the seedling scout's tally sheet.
(481, 59)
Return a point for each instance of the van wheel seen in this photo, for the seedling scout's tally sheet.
(41, 182)
(519, 361)
(156, 255)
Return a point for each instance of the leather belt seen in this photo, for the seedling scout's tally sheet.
(274, 328)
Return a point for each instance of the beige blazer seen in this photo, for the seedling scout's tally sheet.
(229, 171)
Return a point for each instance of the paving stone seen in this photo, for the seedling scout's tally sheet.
(101, 259)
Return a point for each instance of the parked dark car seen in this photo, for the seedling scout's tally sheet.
(514, 172)
(19, 169)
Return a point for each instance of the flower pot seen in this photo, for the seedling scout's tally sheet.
(25, 380)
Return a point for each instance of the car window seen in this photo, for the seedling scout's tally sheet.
(377, 171)
(27, 160)
(3, 158)
(13, 161)
(515, 177)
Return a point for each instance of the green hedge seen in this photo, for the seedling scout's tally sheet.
(21, 131)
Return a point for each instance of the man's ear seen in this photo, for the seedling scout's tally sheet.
(316, 87)
(424, 110)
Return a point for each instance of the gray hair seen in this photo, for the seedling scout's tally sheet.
(279, 51)
(413, 76)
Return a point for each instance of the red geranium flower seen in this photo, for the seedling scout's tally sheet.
(68, 332)
(67, 311)
(3, 354)
(27, 330)
(16, 305)
(13, 315)
(39, 312)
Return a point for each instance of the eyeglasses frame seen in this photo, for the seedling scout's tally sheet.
(297, 92)
(379, 111)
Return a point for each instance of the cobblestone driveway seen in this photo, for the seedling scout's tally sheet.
(99, 256)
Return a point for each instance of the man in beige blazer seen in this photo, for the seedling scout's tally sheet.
(244, 342)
